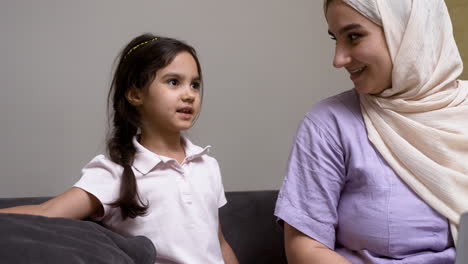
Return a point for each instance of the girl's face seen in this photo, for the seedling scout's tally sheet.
(172, 101)
(360, 48)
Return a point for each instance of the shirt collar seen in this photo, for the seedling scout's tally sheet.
(145, 160)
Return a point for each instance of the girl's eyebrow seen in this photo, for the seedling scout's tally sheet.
(172, 75)
(179, 76)
(346, 28)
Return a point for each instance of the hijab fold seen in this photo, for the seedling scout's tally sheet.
(420, 124)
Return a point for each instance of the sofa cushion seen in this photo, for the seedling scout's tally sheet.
(39, 239)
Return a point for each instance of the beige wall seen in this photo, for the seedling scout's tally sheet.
(459, 12)
(265, 63)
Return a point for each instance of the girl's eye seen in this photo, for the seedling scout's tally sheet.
(172, 82)
(195, 85)
(333, 38)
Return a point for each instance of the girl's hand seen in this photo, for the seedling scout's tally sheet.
(228, 254)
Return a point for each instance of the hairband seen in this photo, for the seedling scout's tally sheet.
(139, 45)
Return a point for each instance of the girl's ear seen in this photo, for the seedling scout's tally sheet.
(134, 96)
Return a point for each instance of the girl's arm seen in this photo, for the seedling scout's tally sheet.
(300, 248)
(74, 203)
(228, 255)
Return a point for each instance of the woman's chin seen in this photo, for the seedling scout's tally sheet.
(365, 89)
(362, 89)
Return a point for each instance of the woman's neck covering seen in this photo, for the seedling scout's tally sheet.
(420, 124)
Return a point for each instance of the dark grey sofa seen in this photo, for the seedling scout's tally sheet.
(247, 222)
(250, 227)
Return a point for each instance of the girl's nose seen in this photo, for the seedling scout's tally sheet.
(189, 94)
(342, 57)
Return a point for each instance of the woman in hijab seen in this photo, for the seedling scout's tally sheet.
(379, 174)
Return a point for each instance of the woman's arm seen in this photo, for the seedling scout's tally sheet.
(74, 203)
(300, 248)
(228, 255)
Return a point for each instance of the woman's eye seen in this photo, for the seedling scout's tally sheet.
(353, 36)
(172, 82)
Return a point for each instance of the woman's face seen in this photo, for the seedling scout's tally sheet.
(360, 48)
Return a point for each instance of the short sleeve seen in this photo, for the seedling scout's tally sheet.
(219, 180)
(101, 178)
(309, 196)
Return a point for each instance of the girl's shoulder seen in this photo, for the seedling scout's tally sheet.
(102, 164)
(195, 152)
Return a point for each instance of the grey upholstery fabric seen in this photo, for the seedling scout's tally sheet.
(38, 239)
(247, 221)
(250, 227)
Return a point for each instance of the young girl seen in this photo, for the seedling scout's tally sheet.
(154, 182)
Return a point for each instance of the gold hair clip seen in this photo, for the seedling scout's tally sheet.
(139, 45)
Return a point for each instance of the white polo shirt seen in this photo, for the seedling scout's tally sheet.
(182, 219)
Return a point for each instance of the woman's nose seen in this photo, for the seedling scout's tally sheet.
(342, 57)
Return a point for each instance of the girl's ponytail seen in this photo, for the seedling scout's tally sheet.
(122, 151)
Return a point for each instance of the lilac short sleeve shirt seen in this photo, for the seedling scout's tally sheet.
(341, 192)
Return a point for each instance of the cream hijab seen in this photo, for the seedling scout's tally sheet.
(420, 124)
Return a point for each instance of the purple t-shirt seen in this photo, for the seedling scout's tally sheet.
(341, 192)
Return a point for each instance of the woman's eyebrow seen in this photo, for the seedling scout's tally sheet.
(346, 28)
(349, 27)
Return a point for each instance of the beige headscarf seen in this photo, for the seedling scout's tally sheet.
(420, 124)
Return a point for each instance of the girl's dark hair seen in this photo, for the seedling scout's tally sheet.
(137, 66)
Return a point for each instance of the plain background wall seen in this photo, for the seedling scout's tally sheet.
(265, 63)
(458, 10)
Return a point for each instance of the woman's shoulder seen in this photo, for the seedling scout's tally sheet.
(345, 103)
(339, 110)
(337, 118)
